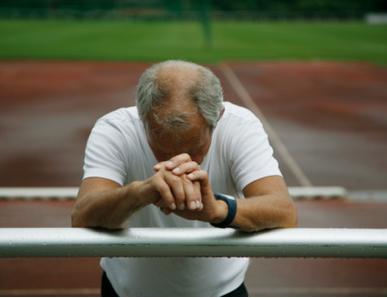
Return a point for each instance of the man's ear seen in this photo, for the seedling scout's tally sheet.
(221, 113)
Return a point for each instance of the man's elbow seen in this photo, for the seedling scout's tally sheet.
(81, 217)
(81, 221)
(76, 220)
(290, 219)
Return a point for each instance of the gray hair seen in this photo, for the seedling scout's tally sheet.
(207, 93)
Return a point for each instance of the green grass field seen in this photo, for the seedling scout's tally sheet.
(152, 41)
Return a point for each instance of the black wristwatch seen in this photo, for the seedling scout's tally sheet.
(232, 209)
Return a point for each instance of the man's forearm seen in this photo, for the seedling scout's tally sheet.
(109, 208)
(264, 212)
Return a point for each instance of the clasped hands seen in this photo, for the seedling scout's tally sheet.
(184, 189)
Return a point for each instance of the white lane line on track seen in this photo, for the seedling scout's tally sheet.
(318, 291)
(50, 292)
(261, 291)
(245, 97)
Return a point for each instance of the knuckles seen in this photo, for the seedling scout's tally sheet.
(185, 156)
(175, 181)
(177, 188)
(195, 165)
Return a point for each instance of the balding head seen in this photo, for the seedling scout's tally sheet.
(173, 84)
(180, 103)
(177, 82)
(178, 78)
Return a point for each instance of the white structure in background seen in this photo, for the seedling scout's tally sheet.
(376, 18)
(70, 193)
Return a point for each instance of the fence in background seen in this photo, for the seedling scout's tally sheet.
(63, 193)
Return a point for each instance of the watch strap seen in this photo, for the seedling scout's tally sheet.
(232, 209)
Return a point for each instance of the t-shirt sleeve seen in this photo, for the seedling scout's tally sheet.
(104, 154)
(251, 154)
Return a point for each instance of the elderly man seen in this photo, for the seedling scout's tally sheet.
(181, 158)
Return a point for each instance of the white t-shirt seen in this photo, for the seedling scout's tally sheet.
(239, 154)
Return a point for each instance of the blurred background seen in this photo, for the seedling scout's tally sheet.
(203, 31)
(315, 70)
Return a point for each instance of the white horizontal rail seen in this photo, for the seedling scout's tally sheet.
(318, 191)
(43, 193)
(60, 193)
(175, 242)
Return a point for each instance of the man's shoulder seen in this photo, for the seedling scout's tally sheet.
(120, 114)
(238, 114)
(235, 123)
(122, 118)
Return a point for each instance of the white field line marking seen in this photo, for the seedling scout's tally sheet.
(277, 143)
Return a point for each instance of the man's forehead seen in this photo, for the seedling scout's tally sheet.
(170, 141)
(185, 113)
(168, 130)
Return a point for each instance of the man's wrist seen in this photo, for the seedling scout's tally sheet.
(221, 212)
(143, 192)
(230, 213)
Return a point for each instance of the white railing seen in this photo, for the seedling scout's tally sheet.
(175, 242)
(60, 193)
